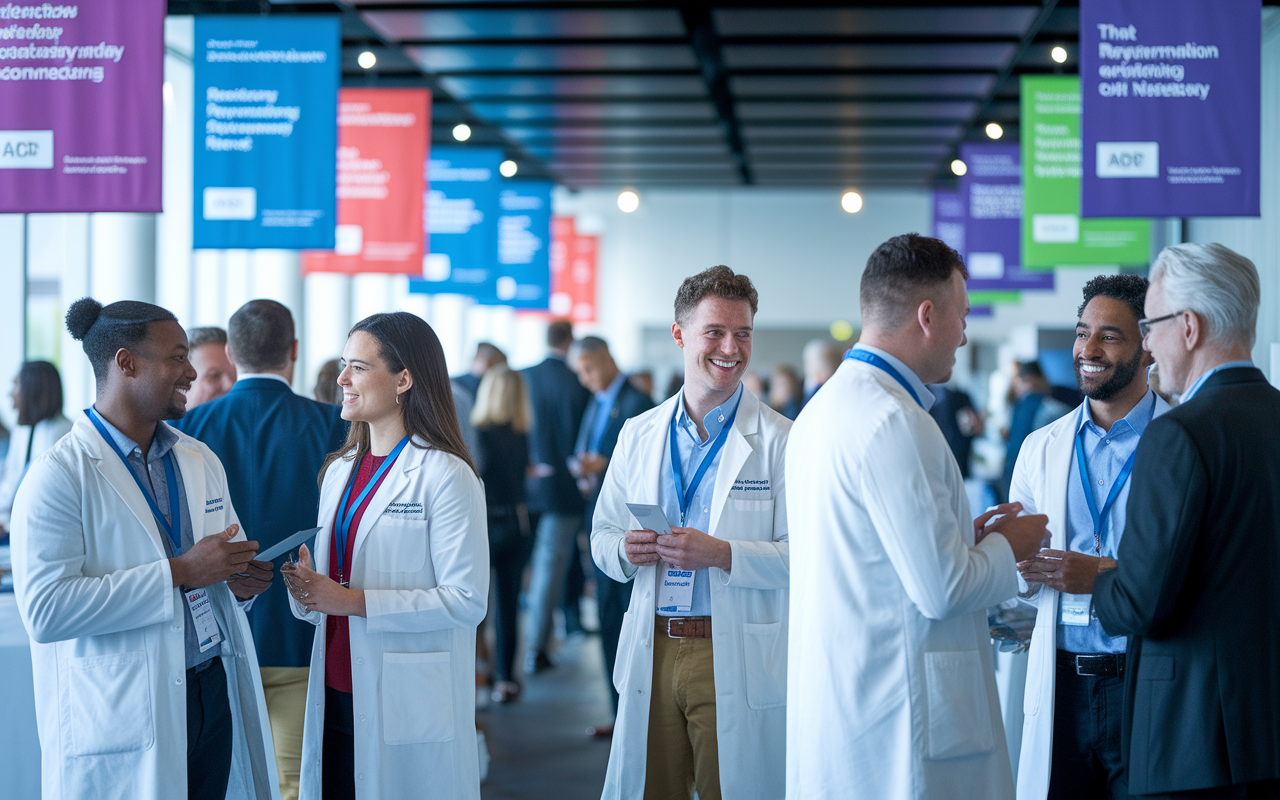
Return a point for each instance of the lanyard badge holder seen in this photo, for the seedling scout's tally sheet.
(347, 509)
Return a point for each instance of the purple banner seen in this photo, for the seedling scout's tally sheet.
(948, 219)
(982, 311)
(80, 105)
(1170, 108)
(991, 191)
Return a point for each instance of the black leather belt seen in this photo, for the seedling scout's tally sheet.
(1093, 665)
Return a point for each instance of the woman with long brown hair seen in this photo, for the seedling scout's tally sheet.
(399, 582)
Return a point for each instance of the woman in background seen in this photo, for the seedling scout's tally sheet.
(37, 397)
(399, 582)
(502, 418)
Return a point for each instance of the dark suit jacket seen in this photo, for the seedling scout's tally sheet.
(272, 443)
(1196, 591)
(630, 402)
(469, 382)
(558, 403)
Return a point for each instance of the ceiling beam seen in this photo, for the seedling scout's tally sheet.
(705, 42)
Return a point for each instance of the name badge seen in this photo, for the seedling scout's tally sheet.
(1075, 609)
(207, 633)
(675, 595)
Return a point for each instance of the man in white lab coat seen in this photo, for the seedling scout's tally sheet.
(701, 664)
(891, 691)
(128, 563)
(1075, 672)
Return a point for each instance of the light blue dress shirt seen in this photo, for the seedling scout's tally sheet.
(692, 451)
(1195, 387)
(926, 397)
(1105, 454)
(605, 401)
(158, 488)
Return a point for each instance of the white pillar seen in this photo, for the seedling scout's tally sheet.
(13, 302)
(327, 320)
(275, 276)
(71, 234)
(209, 288)
(122, 257)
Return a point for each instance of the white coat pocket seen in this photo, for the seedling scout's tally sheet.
(959, 714)
(417, 698)
(627, 637)
(110, 704)
(398, 545)
(764, 649)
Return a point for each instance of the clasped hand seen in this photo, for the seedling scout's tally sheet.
(1073, 573)
(214, 559)
(684, 548)
(319, 592)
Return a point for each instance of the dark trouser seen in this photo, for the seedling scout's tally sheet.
(208, 732)
(574, 582)
(1087, 763)
(338, 767)
(612, 599)
(1258, 790)
(509, 537)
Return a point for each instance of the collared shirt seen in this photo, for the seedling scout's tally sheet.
(268, 375)
(1105, 454)
(605, 401)
(921, 391)
(692, 450)
(151, 473)
(1195, 387)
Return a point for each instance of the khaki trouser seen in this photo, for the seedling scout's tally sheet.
(682, 752)
(286, 693)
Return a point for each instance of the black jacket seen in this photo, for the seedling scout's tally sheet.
(558, 403)
(630, 402)
(1196, 590)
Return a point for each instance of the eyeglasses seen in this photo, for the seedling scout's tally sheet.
(1144, 325)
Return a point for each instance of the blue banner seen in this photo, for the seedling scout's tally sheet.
(991, 195)
(1171, 108)
(524, 245)
(266, 131)
(461, 223)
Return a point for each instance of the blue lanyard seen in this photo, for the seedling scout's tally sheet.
(174, 530)
(1100, 517)
(875, 360)
(347, 509)
(685, 496)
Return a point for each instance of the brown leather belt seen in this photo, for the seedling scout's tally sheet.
(685, 627)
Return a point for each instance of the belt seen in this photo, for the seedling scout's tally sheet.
(1093, 665)
(686, 627)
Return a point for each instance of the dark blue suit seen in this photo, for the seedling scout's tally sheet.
(272, 443)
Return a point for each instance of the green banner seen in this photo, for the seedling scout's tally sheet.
(993, 297)
(1053, 233)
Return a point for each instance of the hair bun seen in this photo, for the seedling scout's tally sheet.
(81, 316)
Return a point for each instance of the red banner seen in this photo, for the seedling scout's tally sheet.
(383, 137)
(573, 271)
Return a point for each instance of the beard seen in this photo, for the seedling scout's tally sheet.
(1121, 377)
(173, 412)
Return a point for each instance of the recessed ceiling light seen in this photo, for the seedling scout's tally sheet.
(367, 59)
(851, 202)
(507, 168)
(1059, 54)
(994, 131)
(959, 167)
(628, 200)
(462, 131)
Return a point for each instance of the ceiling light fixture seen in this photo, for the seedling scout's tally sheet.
(994, 131)
(851, 202)
(628, 200)
(507, 168)
(1059, 54)
(462, 131)
(367, 59)
(959, 167)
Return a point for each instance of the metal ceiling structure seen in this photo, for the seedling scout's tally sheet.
(639, 93)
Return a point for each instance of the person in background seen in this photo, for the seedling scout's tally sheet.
(821, 358)
(486, 358)
(502, 418)
(756, 383)
(1195, 586)
(215, 374)
(558, 401)
(37, 397)
(959, 422)
(1033, 408)
(786, 393)
(614, 402)
(327, 389)
(398, 584)
(674, 383)
(272, 443)
(643, 382)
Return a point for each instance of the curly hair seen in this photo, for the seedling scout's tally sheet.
(719, 281)
(1128, 289)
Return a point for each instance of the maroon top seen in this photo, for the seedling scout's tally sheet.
(337, 659)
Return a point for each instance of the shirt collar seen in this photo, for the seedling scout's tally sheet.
(610, 394)
(1137, 419)
(926, 397)
(271, 375)
(1195, 387)
(163, 442)
(713, 421)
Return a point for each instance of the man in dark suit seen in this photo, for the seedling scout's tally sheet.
(1195, 587)
(272, 443)
(487, 356)
(558, 401)
(615, 401)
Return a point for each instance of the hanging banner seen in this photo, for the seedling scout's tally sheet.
(266, 131)
(382, 144)
(573, 271)
(991, 191)
(461, 223)
(81, 113)
(1172, 99)
(948, 219)
(524, 245)
(1052, 231)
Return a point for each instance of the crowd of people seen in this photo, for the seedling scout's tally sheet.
(172, 659)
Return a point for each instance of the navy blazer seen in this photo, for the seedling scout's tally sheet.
(559, 401)
(272, 444)
(631, 402)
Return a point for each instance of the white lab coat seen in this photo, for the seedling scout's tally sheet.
(41, 437)
(748, 604)
(1040, 479)
(891, 692)
(96, 595)
(421, 555)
